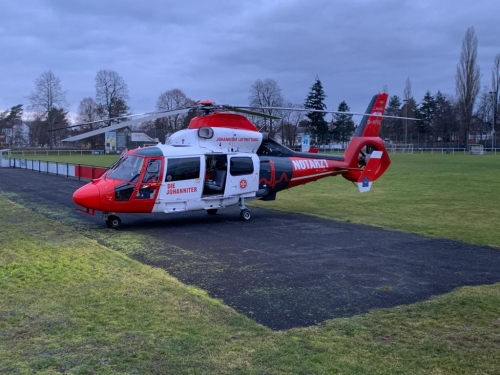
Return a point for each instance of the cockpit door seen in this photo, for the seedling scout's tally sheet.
(141, 183)
(150, 179)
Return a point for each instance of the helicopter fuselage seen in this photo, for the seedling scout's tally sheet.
(222, 160)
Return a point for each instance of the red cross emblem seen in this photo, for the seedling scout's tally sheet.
(243, 184)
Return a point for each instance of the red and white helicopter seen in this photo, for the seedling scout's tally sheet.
(222, 160)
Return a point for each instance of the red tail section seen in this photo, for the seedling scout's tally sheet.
(370, 125)
(364, 169)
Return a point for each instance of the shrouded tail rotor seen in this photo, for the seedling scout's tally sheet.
(366, 155)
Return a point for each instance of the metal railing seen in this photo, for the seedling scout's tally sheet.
(55, 152)
(57, 168)
(421, 150)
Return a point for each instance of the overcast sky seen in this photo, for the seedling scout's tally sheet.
(217, 49)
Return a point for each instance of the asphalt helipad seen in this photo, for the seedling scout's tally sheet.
(282, 270)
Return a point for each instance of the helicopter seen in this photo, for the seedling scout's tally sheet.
(223, 160)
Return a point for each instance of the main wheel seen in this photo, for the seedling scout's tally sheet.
(212, 211)
(113, 222)
(245, 214)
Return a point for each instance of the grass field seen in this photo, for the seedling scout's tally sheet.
(70, 305)
(452, 196)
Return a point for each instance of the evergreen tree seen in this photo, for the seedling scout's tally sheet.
(343, 124)
(57, 119)
(426, 113)
(11, 116)
(392, 127)
(445, 118)
(317, 122)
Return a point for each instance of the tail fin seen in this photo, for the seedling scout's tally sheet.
(366, 168)
(370, 125)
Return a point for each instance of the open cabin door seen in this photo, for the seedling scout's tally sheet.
(228, 178)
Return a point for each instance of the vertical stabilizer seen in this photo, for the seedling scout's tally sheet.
(370, 125)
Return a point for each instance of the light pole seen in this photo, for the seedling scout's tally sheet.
(495, 97)
(406, 122)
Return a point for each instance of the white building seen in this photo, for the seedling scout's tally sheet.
(18, 135)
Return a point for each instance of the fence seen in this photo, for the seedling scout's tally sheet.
(79, 171)
(55, 152)
(447, 150)
(444, 150)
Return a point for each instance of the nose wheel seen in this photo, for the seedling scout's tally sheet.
(113, 222)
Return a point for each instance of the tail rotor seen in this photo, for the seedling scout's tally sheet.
(366, 154)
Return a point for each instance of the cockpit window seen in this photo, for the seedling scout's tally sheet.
(152, 171)
(127, 169)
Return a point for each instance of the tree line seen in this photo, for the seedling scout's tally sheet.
(444, 120)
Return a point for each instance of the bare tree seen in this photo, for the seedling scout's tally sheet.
(467, 81)
(266, 93)
(407, 91)
(168, 101)
(408, 109)
(48, 95)
(482, 118)
(495, 88)
(289, 124)
(88, 111)
(111, 94)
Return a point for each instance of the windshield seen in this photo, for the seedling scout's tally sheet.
(127, 168)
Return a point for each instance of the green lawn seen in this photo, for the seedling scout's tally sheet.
(70, 305)
(452, 196)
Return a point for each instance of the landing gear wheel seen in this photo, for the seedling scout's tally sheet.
(245, 214)
(212, 211)
(113, 222)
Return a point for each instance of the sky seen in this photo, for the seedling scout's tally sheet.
(216, 49)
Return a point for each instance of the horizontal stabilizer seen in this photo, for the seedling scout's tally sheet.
(369, 173)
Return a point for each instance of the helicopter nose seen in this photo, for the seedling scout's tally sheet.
(87, 196)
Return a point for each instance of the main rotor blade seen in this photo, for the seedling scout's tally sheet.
(339, 112)
(248, 112)
(103, 120)
(105, 129)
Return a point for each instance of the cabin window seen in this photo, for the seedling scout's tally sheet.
(183, 169)
(241, 166)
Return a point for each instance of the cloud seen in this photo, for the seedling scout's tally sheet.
(216, 50)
